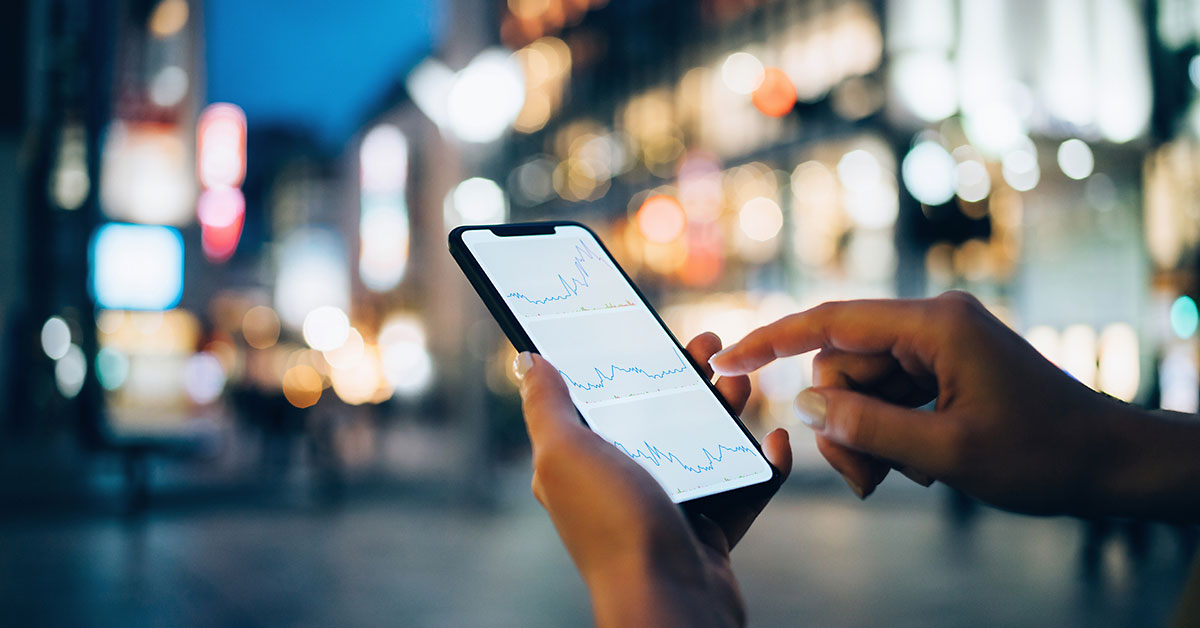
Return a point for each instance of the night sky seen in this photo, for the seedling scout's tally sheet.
(310, 63)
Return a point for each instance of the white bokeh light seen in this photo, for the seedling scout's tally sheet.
(760, 219)
(742, 72)
(70, 371)
(974, 182)
(478, 200)
(56, 337)
(925, 83)
(930, 173)
(326, 328)
(1076, 159)
(486, 97)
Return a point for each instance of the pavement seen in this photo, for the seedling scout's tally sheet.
(818, 557)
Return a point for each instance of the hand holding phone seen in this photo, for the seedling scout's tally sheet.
(645, 561)
(556, 290)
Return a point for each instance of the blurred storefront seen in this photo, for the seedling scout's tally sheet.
(220, 303)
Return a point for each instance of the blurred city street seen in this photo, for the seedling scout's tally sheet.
(243, 382)
(817, 557)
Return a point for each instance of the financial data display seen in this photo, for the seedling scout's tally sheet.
(629, 380)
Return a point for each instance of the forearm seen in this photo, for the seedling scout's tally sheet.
(1152, 466)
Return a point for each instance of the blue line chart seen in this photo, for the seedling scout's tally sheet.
(578, 279)
(613, 370)
(658, 457)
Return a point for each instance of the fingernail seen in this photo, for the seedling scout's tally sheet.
(716, 356)
(522, 363)
(858, 490)
(810, 408)
(916, 476)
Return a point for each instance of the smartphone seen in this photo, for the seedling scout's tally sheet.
(556, 290)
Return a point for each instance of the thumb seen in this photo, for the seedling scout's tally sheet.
(544, 399)
(863, 423)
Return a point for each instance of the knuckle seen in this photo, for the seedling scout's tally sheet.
(956, 309)
(825, 369)
(856, 426)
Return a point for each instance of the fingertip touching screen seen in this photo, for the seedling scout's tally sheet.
(628, 378)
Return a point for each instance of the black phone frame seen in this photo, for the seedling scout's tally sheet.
(509, 324)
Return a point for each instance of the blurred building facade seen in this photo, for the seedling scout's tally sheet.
(204, 301)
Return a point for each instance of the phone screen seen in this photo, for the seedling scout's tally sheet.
(626, 375)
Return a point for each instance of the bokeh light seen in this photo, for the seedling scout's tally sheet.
(56, 337)
(1184, 317)
(486, 97)
(168, 18)
(112, 368)
(221, 145)
(203, 378)
(775, 96)
(1119, 373)
(760, 219)
(312, 272)
(407, 365)
(169, 86)
(1020, 168)
(478, 200)
(925, 83)
(69, 372)
(930, 173)
(974, 182)
(260, 327)
(349, 353)
(326, 328)
(742, 72)
(859, 169)
(1078, 353)
(137, 267)
(661, 219)
(302, 386)
(1075, 159)
(357, 383)
(221, 213)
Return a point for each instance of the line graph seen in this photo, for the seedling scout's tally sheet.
(618, 354)
(685, 439)
(579, 280)
(554, 276)
(614, 370)
(656, 456)
(625, 373)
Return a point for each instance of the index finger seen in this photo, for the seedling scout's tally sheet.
(875, 326)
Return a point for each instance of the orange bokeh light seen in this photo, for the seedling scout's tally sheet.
(776, 96)
(302, 385)
(661, 219)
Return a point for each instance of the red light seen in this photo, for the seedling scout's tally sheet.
(221, 146)
(776, 95)
(221, 213)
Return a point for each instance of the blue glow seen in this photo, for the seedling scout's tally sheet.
(1184, 317)
(136, 267)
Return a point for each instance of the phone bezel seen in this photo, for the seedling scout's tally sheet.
(510, 325)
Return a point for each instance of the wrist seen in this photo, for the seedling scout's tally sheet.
(1148, 465)
(641, 592)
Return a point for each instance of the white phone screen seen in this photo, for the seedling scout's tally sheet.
(626, 376)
